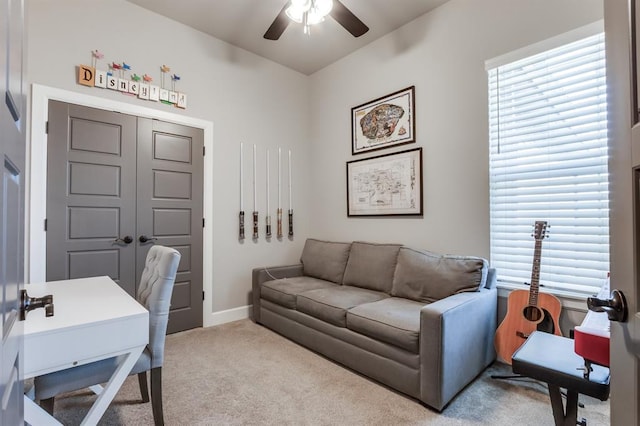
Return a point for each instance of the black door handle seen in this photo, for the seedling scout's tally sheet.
(127, 240)
(616, 307)
(144, 239)
(30, 303)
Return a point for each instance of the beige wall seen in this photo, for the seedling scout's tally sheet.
(249, 98)
(443, 54)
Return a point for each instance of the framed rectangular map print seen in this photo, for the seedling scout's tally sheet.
(384, 122)
(386, 185)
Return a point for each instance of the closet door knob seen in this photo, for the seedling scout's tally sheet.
(127, 240)
(144, 239)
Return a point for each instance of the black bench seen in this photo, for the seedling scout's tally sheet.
(551, 359)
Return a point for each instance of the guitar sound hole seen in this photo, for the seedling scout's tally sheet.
(546, 324)
(533, 313)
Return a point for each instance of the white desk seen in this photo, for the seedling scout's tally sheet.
(93, 319)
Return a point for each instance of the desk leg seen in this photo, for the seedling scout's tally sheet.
(34, 415)
(111, 388)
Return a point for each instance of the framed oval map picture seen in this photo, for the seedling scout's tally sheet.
(384, 122)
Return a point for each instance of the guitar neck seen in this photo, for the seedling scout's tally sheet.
(535, 274)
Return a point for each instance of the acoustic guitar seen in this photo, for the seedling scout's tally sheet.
(528, 311)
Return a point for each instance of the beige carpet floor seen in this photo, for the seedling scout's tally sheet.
(241, 373)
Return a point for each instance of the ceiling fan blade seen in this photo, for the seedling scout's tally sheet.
(279, 25)
(347, 19)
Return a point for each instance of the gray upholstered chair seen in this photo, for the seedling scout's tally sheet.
(154, 293)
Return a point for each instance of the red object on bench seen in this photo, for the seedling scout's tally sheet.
(592, 337)
(592, 347)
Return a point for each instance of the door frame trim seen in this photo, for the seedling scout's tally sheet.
(36, 179)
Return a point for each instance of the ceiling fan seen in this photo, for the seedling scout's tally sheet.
(310, 12)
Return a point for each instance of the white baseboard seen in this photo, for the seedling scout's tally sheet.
(223, 317)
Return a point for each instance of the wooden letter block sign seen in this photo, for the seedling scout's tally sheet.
(112, 82)
(182, 101)
(86, 75)
(123, 85)
(138, 86)
(154, 93)
(101, 79)
(144, 91)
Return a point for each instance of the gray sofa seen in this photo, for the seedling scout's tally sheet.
(413, 320)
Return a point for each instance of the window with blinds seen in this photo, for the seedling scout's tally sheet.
(548, 162)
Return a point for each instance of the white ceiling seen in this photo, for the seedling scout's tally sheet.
(243, 23)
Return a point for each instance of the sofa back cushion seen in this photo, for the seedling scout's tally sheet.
(371, 266)
(325, 260)
(427, 277)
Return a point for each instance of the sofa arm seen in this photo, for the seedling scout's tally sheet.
(456, 343)
(264, 274)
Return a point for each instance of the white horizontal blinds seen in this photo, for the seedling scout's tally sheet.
(548, 161)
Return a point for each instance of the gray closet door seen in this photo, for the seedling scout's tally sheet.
(91, 194)
(170, 193)
(117, 184)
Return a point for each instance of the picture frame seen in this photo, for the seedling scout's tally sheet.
(386, 185)
(384, 122)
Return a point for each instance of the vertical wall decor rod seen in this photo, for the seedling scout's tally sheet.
(279, 211)
(290, 200)
(268, 214)
(241, 236)
(255, 196)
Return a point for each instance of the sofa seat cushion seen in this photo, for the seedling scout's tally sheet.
(284, 291)
(331, 304)
(393, 320)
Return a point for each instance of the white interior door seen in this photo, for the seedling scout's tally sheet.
(12, 224)
(624, 169)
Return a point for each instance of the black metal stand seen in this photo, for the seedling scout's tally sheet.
(555, 366)
(520, 376)
(507, 377)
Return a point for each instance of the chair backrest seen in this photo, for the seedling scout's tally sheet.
(154, 293)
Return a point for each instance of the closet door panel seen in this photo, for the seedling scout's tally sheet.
(170, 185)
(91, 201)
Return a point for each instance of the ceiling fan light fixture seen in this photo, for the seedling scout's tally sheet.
(315, 10)
(295, 14)
(311, 12)
(296, 10)
(301, 4)
(321, 7)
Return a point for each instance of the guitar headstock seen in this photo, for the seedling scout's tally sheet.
(540, 230)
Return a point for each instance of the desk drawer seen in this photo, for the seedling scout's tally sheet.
(60, 349)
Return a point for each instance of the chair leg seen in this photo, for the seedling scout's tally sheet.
(47, 404)
(144, 387)
(156, 396)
